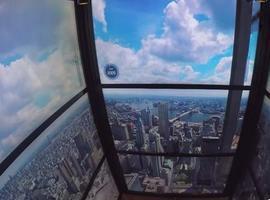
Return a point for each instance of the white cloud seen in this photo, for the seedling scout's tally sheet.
(139, 67)
(98, 7)
(223, 69)
(31, 92)
(249, 73)
(184, 38)
(222, 72)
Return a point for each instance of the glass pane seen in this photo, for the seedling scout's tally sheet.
(104, 187)
(40, 66)
(261, 163)
(158, 174)
(252, 42)
(166, 41)
(59, 163)
(187, 121)
(246, 189)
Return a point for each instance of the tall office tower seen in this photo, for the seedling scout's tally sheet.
(147, 117)
(155, 137)
(140, 132)
(82, 145)
(76, 166)
(173, 145)
(208, 166)
(120, 131)
(167, 171)
(210, 144)
(163, 124)
(155, 160)
(66, 173)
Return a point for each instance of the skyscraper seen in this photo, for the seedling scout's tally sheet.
(82, 145)
(120, 131)
(66, 173)
(163, 124)
(140, 132)
(155, 161)
(147, 117)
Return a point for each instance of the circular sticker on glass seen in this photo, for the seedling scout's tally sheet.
(111, 71)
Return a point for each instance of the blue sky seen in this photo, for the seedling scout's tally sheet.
(167, 41)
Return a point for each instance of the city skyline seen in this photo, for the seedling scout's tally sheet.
(60, 162)
(171, 124)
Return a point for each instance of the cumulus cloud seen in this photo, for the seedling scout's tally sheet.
(185, 38)
(139, 67)
(170, 57)
(160, 58)
(222, 71)
(98, 7)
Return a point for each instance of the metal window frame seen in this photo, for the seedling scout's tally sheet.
(248, 142)
(94, 89)
(93, 80)
(93, 178)
(89, 61)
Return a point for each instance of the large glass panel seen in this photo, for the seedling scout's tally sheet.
(59, 163)
(252, 43)
(186, 121)
(104, 187)
(40, 66)
(158, 174)
(165, 41)
(261, 162)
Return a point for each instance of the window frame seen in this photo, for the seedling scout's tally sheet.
(83, 12)
(246, 138)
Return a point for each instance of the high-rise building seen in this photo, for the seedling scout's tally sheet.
(163, 123)
(155, 160)
(147, 117)
(82, 145)
(76, 166)
(140, 132)
(66, 173)
(120, 131)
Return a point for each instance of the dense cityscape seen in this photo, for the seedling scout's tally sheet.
(63, 167)
(176, 125)
(103, 187)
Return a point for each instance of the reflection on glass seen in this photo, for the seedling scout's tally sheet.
(104, 187)
(158, 174)
(246, 189)
(40, 67)
(187, 121)
(60, 163)
(261, 163)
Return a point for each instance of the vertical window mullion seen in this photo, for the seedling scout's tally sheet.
(240, 54)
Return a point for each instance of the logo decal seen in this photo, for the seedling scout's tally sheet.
(111, 71)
